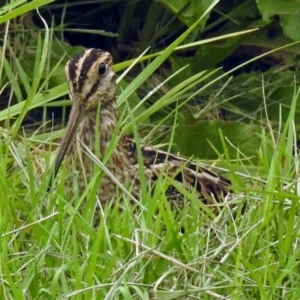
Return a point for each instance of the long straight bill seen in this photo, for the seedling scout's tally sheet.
(73, 122)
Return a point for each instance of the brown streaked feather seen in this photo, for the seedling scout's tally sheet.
(208, 186)
(92, 90)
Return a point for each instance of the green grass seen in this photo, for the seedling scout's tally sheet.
(50, 250)
(250, 252)
(253, 255)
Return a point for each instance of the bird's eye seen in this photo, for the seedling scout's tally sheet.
(102, 69)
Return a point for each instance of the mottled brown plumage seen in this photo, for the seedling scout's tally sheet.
(92, 89)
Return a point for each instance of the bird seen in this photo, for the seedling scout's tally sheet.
(93, 123)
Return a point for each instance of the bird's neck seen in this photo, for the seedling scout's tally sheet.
(99, 122)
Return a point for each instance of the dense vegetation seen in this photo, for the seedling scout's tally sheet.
(216, 81)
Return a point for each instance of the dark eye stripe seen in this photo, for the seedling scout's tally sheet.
(91, 92)
(80, 64)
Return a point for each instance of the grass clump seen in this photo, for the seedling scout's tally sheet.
(50, 250)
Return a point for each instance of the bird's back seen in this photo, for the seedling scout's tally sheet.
(183, 174)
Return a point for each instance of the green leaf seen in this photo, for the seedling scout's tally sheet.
(194, 138)
(188, 11)
(288, 11)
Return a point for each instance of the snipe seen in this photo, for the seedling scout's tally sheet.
(94, 114)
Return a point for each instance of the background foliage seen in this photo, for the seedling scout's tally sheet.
(126, 28)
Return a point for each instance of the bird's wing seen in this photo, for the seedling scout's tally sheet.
(209, 186)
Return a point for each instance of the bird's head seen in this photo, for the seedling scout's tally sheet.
(92, 82)
(91, 79)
